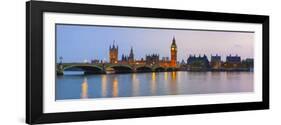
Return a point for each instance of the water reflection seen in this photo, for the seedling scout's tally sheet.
(165, 76)
(155, 83)
(173, 83)
(215, 74)
(135, 86)
(115, 87)
(232, 75)
(84, 89)
(174, 75)
(103, 85)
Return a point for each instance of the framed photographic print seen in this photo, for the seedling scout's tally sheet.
(95, 62)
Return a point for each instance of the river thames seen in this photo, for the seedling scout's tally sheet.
(75, 86)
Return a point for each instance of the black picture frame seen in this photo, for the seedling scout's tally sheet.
(34, 61)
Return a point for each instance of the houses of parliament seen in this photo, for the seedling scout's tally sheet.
(150, 59)
(193, 62)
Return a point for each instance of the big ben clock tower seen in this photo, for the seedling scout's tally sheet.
(174, 53)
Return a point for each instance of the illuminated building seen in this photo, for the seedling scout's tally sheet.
(248, 63)
(173, 53)
(128, 59)
(152, 59)
(232, 62)
(113, 53)
(215, 62)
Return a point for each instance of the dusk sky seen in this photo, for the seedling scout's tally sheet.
(76, 43)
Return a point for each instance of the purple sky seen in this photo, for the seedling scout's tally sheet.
(76, 43)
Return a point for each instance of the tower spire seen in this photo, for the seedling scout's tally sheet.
(131, 49)
(113, 44)
(131, 55)
(113, 53)
(174, 41)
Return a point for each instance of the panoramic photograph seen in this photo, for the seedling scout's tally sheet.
(112, 61)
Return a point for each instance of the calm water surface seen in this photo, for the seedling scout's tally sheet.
(151, 84)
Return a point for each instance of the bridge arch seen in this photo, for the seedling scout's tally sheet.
(121, 68)
(144, 69)
(87, 69)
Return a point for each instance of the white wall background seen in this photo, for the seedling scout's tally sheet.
(12, 55)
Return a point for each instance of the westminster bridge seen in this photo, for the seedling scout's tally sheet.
(103, 68)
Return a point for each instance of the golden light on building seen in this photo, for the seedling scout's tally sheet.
(113, 53)
(129, 59)
(173, 53)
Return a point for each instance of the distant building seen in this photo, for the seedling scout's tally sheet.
(215, 62)
(131, 56)
(152, 59)
(233, 59)
(95, 61)
(198, 63)
(182, 62)
(165, 62)
(128, 59)
(232, 62)
(124, 59)
(113, 53)
(165, 59)
(182, 66)
(140, 62)
(248, 63)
